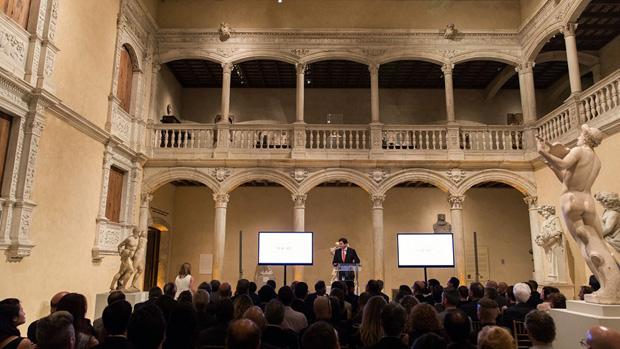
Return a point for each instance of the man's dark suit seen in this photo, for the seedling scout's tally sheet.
(349, 257)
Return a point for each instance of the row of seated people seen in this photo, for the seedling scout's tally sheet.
(212, 317)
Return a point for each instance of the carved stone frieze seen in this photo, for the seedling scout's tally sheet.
(300, 52)
(378, 174)
(299, 174)
(456, 175)
(226, 51)
(13, 47)
(220, 173)
(225, 31)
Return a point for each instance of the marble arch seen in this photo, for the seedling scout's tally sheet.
(413, 56)
(335, 55)
(525, 186)
(574, 10)
(536, 44)
(358, 178)
(237, 179)
(486, 56)
(420, 175)
(153, 181)
(262, 54)
(175, 55)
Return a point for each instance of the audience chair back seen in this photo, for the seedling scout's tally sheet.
(519, 332)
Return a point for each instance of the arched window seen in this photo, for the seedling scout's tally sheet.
(17, 10)
(125, 79)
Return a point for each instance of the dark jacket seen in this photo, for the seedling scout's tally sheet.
(389, 343)
(114, 342)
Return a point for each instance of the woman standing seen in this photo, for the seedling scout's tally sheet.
(184, 281)
(12, 315)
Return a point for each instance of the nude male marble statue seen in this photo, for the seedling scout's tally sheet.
(577, 171)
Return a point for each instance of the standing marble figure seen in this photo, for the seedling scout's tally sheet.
(577, 171)
(611, 218)
(551, 239)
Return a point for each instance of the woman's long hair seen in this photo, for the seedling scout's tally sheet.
(186, 269)
(370, 329)
(9, 310)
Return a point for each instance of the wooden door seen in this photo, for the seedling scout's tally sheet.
(152, 259)
(5, 133)
(115, 194)
(17, 10)
(125, 79)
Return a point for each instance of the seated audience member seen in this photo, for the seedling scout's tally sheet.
(453, 282)
(205, 286)
(403, 290)
(420, 292)
(430, 341)
(408, 302)
(146, 328)
(494, 337)
(12, 315)
(300, 291)
(154, 294)
(583, 291)
(256, 314)
(476, 291)
(502, 289)
(215, 287)
(343, 308)
(241, 303)
(216, 334)
(243, 334)
(185, 297)
(181, 329)
(423, 319)
(32, 329)
(373, 288)
(351, 297)
(115, 320)
(204, 318)
(322, 309)
(491, 292)
(272, 284)
(458, 327)
(510, 296)
(600, 337)
(166, 302)
(548, 291)
(540, 329)
(225, 290)
(370, 331)
(274, 334)
(319, 290)
(594, 284)
(75, 304)
(463, 294)
(488, 311)
(252, 287)
(294, 320)
(114, 296)
(381, 285)
(557, 301)
(243, 287)
(320, 335)
(436, 290)
(535, 297)
(449, 300)
(55, 331)
(363, 299)
(517, 312)
(393, 319)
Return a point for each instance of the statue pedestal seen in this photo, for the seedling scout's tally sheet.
(102, 301)
(573, 322)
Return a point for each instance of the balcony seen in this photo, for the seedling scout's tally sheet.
(179, 143)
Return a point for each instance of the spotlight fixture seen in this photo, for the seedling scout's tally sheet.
(280, 1)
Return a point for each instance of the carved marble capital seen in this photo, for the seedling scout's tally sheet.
(447, 69)
(299, 200)
(456, 202)
(301, 68)
(532, 202)
(227, 68)
(569, 29)
(373, 69)
(527, 67)
(145, 199)
(377, 201)
(221, 200)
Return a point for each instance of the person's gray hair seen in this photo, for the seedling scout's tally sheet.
(522, 292)
(55, 331)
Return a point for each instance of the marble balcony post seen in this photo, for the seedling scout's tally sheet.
(571, 56)
(299, 217)
(456, 216)
(447, 75)
(377, 234)
(219, 239)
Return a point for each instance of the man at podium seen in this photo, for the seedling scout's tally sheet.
(346, 255)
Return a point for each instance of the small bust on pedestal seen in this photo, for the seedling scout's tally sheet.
(441, 226)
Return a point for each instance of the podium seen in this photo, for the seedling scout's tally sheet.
(348, 271)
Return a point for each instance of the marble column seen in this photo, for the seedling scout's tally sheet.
(301, 72)
(456, 216)
(377, 234)
(447, 76)
(571, 56)
(374, 93)
(528, 91)
(219, 238)
(538, 253)
(226, 72)
(299, 217)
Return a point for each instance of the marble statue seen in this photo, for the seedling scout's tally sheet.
(611, 218)
(225, 31)
(551, 240)
(449, 32)
(441, 226)
(138, 261)
(169, 109)
(577, 171)
(332, 251)
(126, 249)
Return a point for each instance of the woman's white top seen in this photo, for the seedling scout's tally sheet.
(182, 284)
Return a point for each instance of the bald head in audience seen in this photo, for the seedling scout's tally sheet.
(55, 299)
(600, 337)
(243, 334)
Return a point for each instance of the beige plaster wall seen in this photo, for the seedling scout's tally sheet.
(549, 190)
(335, 212)
(162, 214)
(150, 6)
(86, 37)
(168, 91)
(66, 190)
(529, 8)
(424, 14)
(398, 106)
(610, 57)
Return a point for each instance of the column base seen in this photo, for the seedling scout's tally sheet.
(573, 322)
